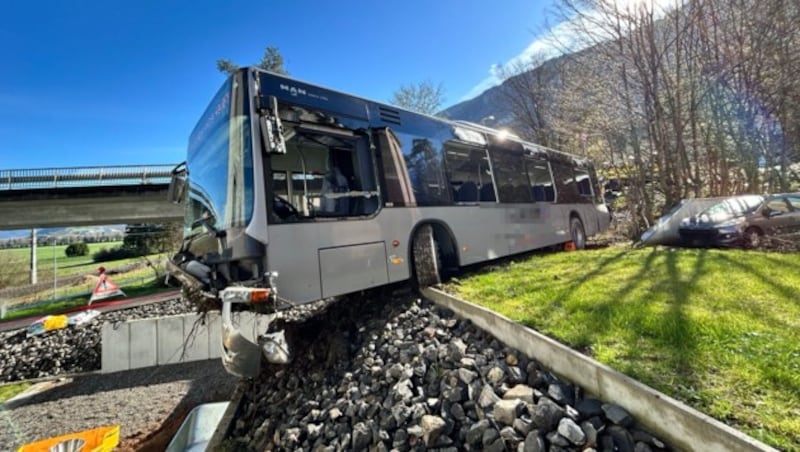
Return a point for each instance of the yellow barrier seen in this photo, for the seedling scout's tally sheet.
(55, 322)
(102, 439)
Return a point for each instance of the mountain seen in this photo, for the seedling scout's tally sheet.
(495, 106)
(113, 229)
(480, 109)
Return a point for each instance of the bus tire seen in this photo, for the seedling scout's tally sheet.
(577, 232)
(426, 258)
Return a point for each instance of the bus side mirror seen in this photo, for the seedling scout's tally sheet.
(177, 184)
(272, 129)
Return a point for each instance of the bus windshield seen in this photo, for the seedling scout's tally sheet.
(219, 165)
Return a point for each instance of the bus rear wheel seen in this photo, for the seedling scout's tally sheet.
(577, 233)
(427, 262)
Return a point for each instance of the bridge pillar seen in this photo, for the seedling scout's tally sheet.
(33, 256)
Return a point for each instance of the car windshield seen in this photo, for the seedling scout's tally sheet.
(731, 208)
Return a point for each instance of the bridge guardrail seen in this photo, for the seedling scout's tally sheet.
(86, 176)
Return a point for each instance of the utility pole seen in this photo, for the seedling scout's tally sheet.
(33, 256)
(55, 269)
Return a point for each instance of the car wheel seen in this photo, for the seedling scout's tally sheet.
(577, 233)
(753, 237)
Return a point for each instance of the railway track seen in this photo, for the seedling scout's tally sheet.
(102, 306)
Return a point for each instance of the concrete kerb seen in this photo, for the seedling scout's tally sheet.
(676, 423)
(226, 424)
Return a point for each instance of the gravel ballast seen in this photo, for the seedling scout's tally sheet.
(142, 402)
(74, 349)
(367, 373)
(404, 374)
(148, 404)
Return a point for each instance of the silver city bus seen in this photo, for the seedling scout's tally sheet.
(296, 193)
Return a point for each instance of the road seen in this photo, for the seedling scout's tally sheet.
(103, 306)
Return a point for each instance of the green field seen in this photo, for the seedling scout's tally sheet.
(19, 258)
(717, 329)
(140, 280)
(16, 268)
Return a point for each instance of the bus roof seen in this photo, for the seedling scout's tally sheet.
(455, 124)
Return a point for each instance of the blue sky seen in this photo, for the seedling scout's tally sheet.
(123, 82)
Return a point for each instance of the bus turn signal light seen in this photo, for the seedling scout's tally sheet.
(259, 295)
(238, 294)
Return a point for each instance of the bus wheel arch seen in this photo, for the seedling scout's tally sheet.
(433, 252)
(577, 230)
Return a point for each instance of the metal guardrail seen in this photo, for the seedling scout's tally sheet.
(86, 176)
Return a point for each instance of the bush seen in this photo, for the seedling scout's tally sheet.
(144, 239)
(77, 249)
(113, 254)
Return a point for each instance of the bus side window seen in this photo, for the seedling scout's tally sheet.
(565, 183)
(396, 182)
(468, 172)
(541, 182)
(512, 182)
(584, 185)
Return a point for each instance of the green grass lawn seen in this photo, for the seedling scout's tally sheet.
(10, 390)
(135, 282)
(717, 329)
(16, 269)
(65, 266)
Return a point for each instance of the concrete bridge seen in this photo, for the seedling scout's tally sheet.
(56, 197)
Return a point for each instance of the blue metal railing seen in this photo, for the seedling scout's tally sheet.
(86, 176)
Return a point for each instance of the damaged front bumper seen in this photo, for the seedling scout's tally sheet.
(245, 340)
(242, 352)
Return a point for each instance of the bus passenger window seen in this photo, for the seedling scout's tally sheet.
(397, 182)
(509, 172)
(541, 183)
(565, 184)
(469, 173)
(584, 185)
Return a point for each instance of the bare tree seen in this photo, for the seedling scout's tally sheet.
(423, 97)
(529, 89)
(696, 99)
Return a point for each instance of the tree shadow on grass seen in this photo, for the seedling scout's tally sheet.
(781, 263)
(601, 267)
(673, 344)
(786, 291)
(681, 341)
(768, 371)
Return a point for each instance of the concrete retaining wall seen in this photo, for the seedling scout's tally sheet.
(166, 340)
(678, 424)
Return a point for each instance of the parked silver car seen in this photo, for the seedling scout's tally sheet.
(743, 220)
